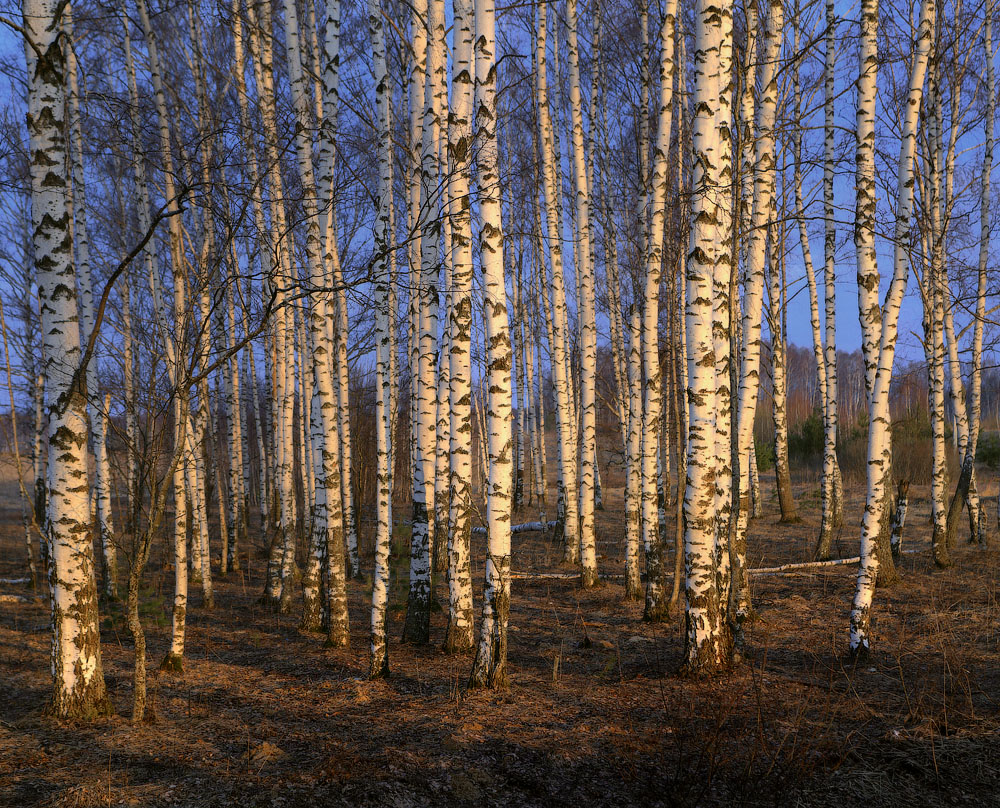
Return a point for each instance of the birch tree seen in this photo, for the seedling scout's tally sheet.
(707, 639)
(656, 595)
(588, 326)
(379, 663)
(77, 670)
(764, 175)
(490, 666)
(879, 433)
(460, 635)
(552, 184)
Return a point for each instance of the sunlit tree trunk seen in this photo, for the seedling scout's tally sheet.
(490, 667)
(77, 671)
(706, 636)
(565, 422)
(280, 584)
(656, 592)
(321, 349)
(763, 175)
(586, 314)
(81, 243)
(416, 628)
(934, 291)
(384, 345)
(723, 293)
(879, 428)
(460, 607)
(338, 320)
(834, 510)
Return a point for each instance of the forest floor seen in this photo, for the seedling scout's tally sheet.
(595, 713)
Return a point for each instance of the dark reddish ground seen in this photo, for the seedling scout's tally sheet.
(595, 713)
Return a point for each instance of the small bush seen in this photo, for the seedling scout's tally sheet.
(988, 449)
(806, 442)
(765, 455)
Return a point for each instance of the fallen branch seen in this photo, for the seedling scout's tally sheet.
(834, 562)
(527, 527)
(783, 568)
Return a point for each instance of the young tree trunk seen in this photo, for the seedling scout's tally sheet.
(824, 542)
(899, 520)
(175, 347)
(633, 477)
(975, 391)
(587, 321)
(782, 473)
(934, 327)
(384, 244)
(105, 525)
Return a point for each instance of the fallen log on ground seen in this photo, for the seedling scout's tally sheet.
(527, 527)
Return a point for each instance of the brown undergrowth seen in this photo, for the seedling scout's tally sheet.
(594, 713)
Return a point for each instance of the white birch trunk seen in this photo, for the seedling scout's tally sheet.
(586, 314)
(321, 349)
(705, 632)
(656, 592)
(551, 176)
(384, 240)
(633, 458)
(975, 391)
(77, 672)
(490, 667)
(764, 179)
(879, 428)
(174, 658)
(460, 636)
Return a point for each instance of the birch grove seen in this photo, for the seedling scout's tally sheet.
(371, 311)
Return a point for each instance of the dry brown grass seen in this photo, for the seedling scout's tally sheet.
(265, 715)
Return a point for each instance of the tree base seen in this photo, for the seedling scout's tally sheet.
(656, 613)
(172, 663)
(379, 669)
(859, 655)
(337, 640)
(85, 707)
(417, 625)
